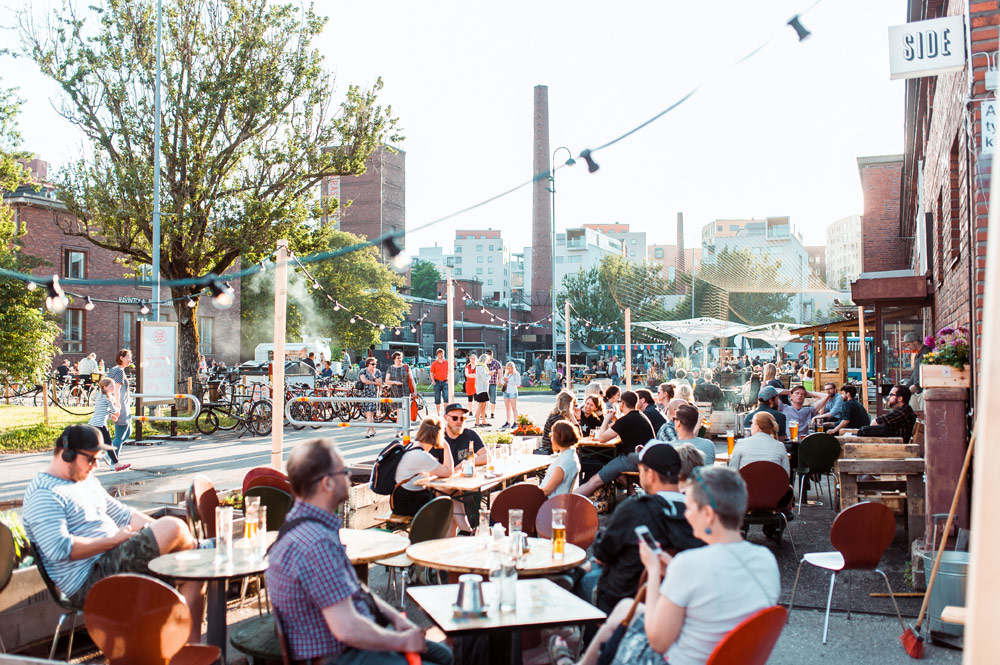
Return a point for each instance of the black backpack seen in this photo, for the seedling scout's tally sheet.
(383, 480)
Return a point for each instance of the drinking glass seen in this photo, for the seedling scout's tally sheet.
(508, 585)
(251, 512)
(730, 442)
(794, 430)
(223, 534)
(558, 533)
(515, 519)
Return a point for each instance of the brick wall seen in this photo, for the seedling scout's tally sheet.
(881, 245)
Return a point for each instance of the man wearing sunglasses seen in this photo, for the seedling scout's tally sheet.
(83, 535)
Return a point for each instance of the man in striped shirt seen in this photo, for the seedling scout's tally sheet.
(83, 535)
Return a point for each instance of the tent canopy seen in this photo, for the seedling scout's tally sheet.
(575, 347)
(775, 334)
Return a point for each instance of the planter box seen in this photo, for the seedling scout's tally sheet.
(27, 614)
(363, 508)
(944, 376)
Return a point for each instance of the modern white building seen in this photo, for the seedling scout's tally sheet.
(633, 242)
(843, 252)
(434, 255)
(583, 248)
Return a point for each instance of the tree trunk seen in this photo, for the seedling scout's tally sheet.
(187, 337)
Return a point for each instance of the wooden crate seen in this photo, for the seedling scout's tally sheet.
(363, 507)
(944, 376)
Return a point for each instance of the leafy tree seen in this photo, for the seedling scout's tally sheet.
(248, 131)
(311, 313)
(423, 279)
(26, 333)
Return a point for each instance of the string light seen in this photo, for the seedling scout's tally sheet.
(56, 299)
(144, 310)
(222, 296)
(90, 305)
(190, 303)
(31, 286)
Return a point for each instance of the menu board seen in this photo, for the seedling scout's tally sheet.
(158, 360)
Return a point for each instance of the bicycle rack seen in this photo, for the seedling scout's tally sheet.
(179, 419)
(402, 424)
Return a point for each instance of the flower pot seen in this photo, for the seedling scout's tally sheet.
(944, 376)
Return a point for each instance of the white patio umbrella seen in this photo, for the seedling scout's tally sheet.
(689, 331)
(775, 334)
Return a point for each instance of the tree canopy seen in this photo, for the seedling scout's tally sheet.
(248, 131)
(423, 279)
(26, 332)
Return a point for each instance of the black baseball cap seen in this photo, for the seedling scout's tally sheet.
(81, 438)
(659, 456)
(455, 406)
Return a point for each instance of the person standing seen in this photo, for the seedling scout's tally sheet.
(615, 371)
(398, 379)
(511, 381)
(470, 378)
(106, 405)
(482, 392)
(372, 380)
(495, 369)
(346, 362)
(439, 375)
(123, 423)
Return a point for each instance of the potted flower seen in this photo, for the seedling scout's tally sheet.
(946, 365)
(526, 427)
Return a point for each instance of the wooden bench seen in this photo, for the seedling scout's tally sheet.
(884, 480)
(855, 450)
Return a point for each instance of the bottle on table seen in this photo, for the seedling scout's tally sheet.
(469, 467)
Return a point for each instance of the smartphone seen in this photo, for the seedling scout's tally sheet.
(642, 531)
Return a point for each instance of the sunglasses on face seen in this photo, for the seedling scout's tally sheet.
(91, 459)
(456, 418)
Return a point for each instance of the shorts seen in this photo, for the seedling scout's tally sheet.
(482, 398)
(440, 392)
(132, 556)
(493, 393)
(616, 467)
(512, 395)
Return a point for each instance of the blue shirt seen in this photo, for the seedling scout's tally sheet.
(55, 510)
(309, 571)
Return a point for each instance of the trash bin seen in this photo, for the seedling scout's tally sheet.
(949, 588)
(213, 391)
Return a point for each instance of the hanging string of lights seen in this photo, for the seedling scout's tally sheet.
(504, 322)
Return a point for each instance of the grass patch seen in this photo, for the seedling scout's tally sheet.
(22, 428)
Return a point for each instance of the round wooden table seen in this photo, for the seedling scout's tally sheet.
(366, 545)
(462, 555)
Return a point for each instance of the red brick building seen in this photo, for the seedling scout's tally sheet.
(109, 326)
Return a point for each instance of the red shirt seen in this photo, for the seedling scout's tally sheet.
(439, 370)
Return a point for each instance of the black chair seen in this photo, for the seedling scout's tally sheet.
(278, 504)
(817, 454)
(63, 602)
(430, 523)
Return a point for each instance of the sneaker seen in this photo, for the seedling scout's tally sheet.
(505, 426)
(122, 467)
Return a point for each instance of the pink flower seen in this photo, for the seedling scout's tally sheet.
(947, 330)
(929, 340)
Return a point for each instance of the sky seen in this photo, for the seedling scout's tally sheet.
(778, 134)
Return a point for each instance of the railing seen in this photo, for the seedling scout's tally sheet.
(180, 419)
(402, 424)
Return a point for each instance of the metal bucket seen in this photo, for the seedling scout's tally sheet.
(949, 588)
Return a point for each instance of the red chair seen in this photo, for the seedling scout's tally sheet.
(581, 519)
(767, 484)
(861, 534)
(525, 496)
(205, 501)
(265, 476)
(139, 620)
(752, 640)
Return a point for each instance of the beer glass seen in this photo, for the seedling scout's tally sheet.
(794, 430)
(558, 533)
(251, 512)
(730, 443)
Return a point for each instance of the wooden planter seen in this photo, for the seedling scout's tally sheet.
(944, 376)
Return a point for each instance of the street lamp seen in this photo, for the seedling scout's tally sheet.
(552, 188)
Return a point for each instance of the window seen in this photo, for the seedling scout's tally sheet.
(479, 271)
(479, 248)
(489, 271)
(633, 241)
(733, 227)
(206, 329)
(74, 264)
(671, 272)
(658, 253)
(458, 271)
(144, 276)
(458, 249)
(73, 331)
(489, 259)
(491, 248)
(632, 253)
(489, 282)
(128, 325)
(559, 259)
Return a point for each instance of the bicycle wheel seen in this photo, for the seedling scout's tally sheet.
(207, 422)
(39, 396)
(299, 411)
(260, 418)
(227, 416)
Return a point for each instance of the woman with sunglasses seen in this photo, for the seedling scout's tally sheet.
(372, 380)
(408, 497)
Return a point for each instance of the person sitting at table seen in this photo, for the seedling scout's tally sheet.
(685, 393)
(709, 390)
(767, 402)
(83, 535)
(796, 410)
(898, 421)
(686, 419)
(667, 431)
(634, 430)
(664, 393)
(647, 405)
(689, 607)
(591, 415)
(409, 497)
(616, 568)
(691, 458)
(565, 403)
(326, 614)
(681, 378)
(563, 473)
(459, 438)
(763, 445)
(852, 414)
(593, 388)
(612, 401)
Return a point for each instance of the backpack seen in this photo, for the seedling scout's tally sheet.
(383, 480)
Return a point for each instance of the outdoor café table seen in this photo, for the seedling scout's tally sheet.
(366, 545)
(200, 566)
(540, 604)
(462, 555)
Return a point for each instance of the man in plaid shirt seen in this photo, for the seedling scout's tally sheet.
(494, 366)
(899, 420)
(326, 615)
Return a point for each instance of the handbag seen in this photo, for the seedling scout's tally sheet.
(628, 644)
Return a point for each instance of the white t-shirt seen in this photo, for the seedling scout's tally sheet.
(760, 447)
(715, 603)
(569, 462)
(414, 462)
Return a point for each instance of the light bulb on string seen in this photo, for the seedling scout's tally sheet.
(144, 310)
(56, 299)
(190, 303)
(31, 286)
(412, 329)
(353, 320)
(222, 296)
(336, 306)
(395, 331)
(316, 284)
(90, 305)
(381, 326)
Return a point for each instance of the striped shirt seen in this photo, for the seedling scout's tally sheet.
(117, 374)
(102, 409)
(309, 571)
(55, 510)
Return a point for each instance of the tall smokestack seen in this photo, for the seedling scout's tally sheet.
(541, 211)
(680, 244)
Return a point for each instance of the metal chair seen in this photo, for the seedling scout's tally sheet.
(861, 534)
(767, 483)
(266, 476)
(752, 640)
(139, 620)
(278, 503)
(581, 519)
(524, 496)
(63, 602)
(430, 522)
(817, 454)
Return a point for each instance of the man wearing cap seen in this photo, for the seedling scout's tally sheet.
(616, 549)
(915, 345)
(768, 402)
(459, 437)
(83, 535)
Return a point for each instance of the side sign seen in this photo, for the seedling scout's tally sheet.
(927, 48)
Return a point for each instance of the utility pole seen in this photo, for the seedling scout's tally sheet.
(628, 348)
(278, 366)
(569, 374)
(450, 305)
(155, 296)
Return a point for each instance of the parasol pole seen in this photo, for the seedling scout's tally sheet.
(864, 355)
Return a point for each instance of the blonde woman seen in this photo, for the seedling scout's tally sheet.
(511, 381)
(685, 393)
(408, 498)
(565, 405)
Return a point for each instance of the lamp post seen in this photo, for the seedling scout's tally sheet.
(552, 188)
(156, 169)
(450, 317)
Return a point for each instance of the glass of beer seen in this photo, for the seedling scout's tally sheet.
(558, 533)
(794, 430)
(251, 510)
(730, 442)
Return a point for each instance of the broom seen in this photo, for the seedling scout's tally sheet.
(912, 640)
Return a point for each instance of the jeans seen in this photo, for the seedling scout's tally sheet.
(121, 433)
(616, 467)
(435, 653)
(615, 380)
(440, 392)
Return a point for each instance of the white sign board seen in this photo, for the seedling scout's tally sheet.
(927, 48)
(989, 120)
(158, 358)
